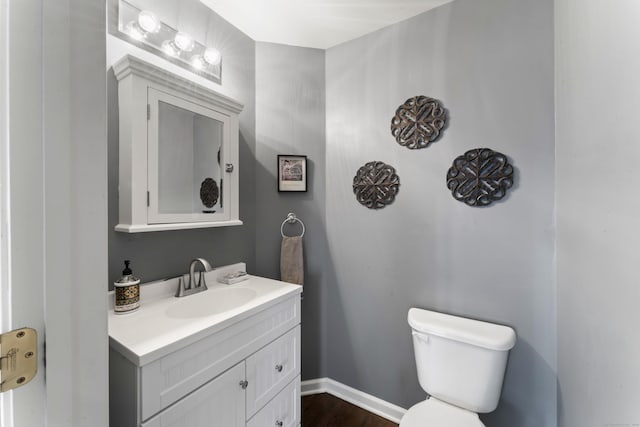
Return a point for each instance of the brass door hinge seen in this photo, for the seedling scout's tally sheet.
(18, 358)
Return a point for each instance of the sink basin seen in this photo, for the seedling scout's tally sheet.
(164, 323)
(210, 302)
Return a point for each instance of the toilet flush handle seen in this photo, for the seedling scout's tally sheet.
(422, 337)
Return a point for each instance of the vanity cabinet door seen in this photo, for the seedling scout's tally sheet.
(167, 379)
(220, 402)
(271, 368)
(187, 152)
(282, 411)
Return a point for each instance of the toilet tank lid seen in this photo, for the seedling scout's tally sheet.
(474, 332)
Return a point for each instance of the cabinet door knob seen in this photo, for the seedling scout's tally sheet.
(279, 368)
(228, 167)
(279, 423)
(244, 384)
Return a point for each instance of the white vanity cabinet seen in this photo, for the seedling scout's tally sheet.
(271, 368)
(220, 402)
(178, 151)
(244, 373)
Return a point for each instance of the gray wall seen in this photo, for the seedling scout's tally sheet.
(168, 253)
(290, 109)
(491, 63)
(598, 99)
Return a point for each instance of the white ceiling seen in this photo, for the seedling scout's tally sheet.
(316, 23)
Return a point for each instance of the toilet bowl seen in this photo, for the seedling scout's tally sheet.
(461, 364)
(433, 412)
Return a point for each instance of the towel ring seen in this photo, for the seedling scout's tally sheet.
(291, 219)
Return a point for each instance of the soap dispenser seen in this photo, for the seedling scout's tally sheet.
(127, 291)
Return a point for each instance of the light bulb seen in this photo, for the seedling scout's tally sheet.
(149, 22)
(212, 56)
(184, 42)
(198, 62)
(169, 48)
(134, 31)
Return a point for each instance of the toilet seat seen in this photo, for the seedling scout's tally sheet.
(436, 413)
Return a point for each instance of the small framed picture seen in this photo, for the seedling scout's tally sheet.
(292, 173)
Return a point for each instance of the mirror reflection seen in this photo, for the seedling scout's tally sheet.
(189, 157)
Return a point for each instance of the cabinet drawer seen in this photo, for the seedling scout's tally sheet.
(269, 369)
(284, 408)
(175, 375)
(220, 402)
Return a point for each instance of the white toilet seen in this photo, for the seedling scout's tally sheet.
(461, 364)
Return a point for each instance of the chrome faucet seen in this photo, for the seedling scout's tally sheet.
(192, 287)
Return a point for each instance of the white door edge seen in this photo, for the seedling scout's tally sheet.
(6, 399)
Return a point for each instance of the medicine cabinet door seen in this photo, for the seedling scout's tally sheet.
(187, 154)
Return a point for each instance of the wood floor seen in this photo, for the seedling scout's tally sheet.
(325, 410)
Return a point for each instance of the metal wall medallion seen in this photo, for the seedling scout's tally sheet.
(479, 177)
(418, 122)
(209, 192)
(376, 185)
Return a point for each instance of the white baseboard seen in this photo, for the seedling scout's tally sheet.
(356, 397)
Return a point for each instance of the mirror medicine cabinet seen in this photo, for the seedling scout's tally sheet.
(178, 151)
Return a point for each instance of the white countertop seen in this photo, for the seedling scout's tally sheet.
(149, 333)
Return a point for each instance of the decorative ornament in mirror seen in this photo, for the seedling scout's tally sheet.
(376, 185)
(418, 122)
(480, 177)
(209, 192)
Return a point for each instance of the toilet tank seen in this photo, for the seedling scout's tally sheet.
(460, 361)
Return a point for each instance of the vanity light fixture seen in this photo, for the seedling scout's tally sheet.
(169, 48)
(212, 56)
(134, 31)
(146, 23)
(149, 22)
(184, 42)
(198, 62)
(144, 29)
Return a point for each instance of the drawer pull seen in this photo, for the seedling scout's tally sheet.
(244, 384)
(279, 368)
(279, 423)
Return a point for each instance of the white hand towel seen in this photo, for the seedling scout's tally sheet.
(291, 261)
